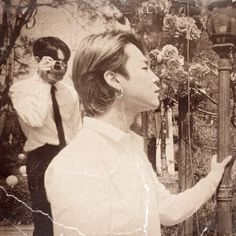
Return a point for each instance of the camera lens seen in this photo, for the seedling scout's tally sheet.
(57, 65)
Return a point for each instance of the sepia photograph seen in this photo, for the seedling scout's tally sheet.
(117, 117)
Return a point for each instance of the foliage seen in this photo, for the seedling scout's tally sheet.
(16, 15)
(13, 211)
(181, 25)
(22, 55)
(12, 141)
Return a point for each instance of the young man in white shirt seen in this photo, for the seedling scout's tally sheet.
(102, 182)
(33, 100)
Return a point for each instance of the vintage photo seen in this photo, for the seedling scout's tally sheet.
(117, 117)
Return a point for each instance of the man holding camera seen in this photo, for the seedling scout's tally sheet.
(48, 111)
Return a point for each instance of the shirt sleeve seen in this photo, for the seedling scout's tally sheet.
(31, 99)
(175, 208)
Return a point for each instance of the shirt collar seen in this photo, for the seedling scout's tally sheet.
(104, 128)
(37, 77)
(59, 84)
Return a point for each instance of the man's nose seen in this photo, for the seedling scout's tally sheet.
(155, 78)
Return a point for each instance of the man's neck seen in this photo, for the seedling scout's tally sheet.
(119, 117)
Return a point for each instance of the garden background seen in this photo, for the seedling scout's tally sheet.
(180, 54)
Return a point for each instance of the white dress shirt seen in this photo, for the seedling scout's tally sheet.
(103, 184)
(32, 100)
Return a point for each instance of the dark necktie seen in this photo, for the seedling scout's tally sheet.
(57, 118)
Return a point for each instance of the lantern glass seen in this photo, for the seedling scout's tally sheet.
(221, 24)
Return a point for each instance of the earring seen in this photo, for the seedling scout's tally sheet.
(119, 93)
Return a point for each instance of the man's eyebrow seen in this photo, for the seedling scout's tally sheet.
(145, 61)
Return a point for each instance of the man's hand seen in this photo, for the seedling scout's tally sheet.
(45, 69)
(217, 170)
(219, 165)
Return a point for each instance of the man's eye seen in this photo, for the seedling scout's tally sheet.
(145, 68)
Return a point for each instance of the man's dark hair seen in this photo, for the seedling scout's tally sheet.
(48, 46)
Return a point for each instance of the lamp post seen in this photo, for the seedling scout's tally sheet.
(221, 27)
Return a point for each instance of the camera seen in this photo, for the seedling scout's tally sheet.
(58, 67)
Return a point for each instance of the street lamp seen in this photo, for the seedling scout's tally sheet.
(221, 27)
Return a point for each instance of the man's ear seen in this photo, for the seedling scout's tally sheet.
(37, 59)
(111, 78)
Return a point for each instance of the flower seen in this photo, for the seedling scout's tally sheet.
(195, 71)
(181, 60)
(153, 6)
(169, 23)
(180, 75)
(155, 56)
(199, 72)
(22, 170)
(233, 76)
(169, 51)
(173, 64)
(11, 180)
(193, 33)
(21, 156)
(164, 5)
(181, 25)
(164, 73)
(187, 25)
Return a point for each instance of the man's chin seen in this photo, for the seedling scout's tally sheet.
(55, 78)
(151, 107)
(58, 77)
(155, 105)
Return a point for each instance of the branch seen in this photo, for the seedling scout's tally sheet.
(56, 3)
(206, 112)
(215, 148)
(209, 147)
(4, 26)
(190, 144)
(19, 23)
(207, 96)
(21, 63)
